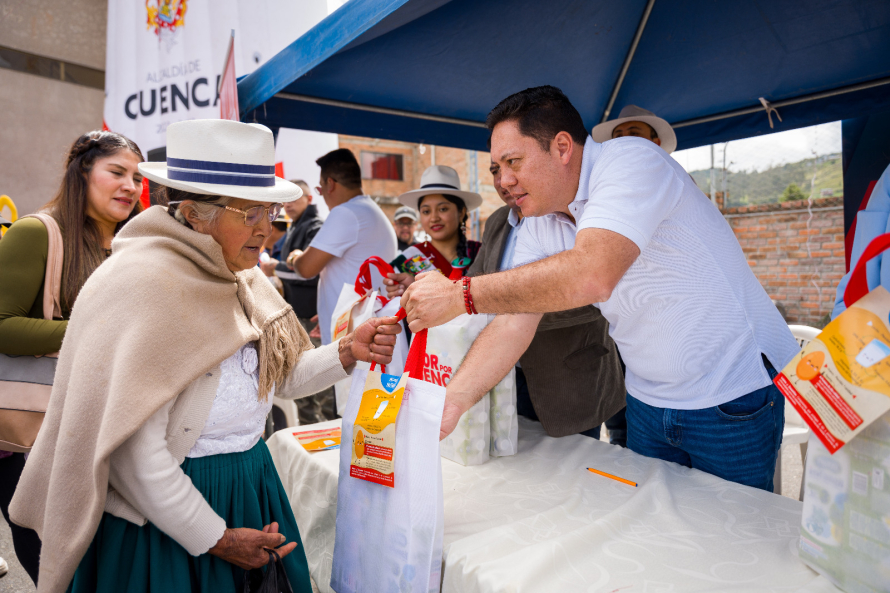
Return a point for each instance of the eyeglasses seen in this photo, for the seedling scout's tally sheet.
(253, 216)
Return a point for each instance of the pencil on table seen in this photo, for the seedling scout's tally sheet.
(605, 475)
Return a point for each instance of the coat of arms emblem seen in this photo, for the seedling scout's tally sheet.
(165, 17)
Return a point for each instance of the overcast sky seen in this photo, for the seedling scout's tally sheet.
(764, 152)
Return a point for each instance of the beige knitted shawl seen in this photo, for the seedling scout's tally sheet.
(160, 312)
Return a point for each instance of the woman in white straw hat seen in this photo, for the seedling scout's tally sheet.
(444, 209)
(639, 122)
(150, 473)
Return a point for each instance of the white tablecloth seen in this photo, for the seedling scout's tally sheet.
(538, 521)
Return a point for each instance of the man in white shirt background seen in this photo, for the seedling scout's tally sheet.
(621, 225)
(355, 229)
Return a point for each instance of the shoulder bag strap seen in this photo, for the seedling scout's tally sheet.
(52, 284)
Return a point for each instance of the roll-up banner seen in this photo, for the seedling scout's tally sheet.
(164, 58)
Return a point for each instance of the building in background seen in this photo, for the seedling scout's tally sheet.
(390, 168)
(52, 81)
(52, 61)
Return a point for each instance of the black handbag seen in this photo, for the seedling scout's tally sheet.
(273, 580)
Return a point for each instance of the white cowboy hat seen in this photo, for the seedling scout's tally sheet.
(440, 180)
(222, 158)
(665, 132)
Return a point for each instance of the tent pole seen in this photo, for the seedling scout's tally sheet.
(383, 110)
(628, 59)
(785, 103)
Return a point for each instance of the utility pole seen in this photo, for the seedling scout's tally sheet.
(713, 195)
(725, 200)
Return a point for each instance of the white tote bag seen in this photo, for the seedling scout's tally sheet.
(363, 302)
(390, 539)
(447, 346)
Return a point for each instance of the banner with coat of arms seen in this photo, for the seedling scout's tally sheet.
(164, 58)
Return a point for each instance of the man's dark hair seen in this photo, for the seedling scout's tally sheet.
(541, 112)
(341, 165)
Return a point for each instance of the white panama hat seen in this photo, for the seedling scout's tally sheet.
(665, 132)
(439, 179)
(223, 158)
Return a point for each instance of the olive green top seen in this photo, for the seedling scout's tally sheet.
(23, 330)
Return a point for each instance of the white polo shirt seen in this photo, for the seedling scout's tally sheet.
(689, 317)
(352, 232)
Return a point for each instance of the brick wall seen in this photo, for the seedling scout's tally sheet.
(774, 238)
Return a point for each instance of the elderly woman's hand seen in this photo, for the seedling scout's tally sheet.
(372, 341)
(246, 548)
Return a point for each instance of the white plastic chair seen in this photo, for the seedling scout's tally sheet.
(289, 408)
(796, 431)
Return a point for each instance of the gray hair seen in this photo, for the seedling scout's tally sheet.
(204, 210)
(302, 185)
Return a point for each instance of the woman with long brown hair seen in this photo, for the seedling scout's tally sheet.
(98, 194)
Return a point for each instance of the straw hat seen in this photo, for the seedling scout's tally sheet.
(665, 132)
(224, 158)
(440, 180)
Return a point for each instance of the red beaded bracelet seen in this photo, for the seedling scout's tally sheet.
(468, 298)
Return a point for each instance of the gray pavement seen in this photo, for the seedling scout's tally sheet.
(17, 580)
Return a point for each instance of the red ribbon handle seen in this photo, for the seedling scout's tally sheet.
(416, 353)
(857, 287)
(363, 283)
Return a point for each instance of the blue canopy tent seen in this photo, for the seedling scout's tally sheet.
(430, 70)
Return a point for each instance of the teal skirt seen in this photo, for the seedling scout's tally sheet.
(243, 488)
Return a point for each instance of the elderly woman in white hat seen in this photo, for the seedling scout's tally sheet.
(150, 473)
(444, 209)
(638, 122)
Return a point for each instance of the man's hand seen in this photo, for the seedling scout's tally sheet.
(246, 548)
(372, 341)
(432, 300)
(315, 332)
(268, 267)
(450, 417)
(490, 358)
(396, 283)
(292, 256)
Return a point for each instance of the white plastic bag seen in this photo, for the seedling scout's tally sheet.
(447, 346)
(366, 302)
(390, 539)
(504, 419)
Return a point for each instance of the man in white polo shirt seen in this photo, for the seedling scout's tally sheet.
(355, 229)
(621, 225)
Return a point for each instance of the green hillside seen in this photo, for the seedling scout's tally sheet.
(765, 187)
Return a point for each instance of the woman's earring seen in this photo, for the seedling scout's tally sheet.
(463, 227)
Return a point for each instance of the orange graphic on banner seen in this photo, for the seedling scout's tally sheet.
(843, 409)
(807, 412)
(845, 336)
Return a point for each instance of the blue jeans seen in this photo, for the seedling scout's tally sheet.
(738, 441)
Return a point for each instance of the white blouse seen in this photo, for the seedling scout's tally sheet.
(144, 472)
(237, 418)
